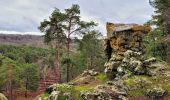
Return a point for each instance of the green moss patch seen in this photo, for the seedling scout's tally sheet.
(138, 80)
(136, 93)
(62, 98)
(166, 87)
(46, 94)
(64, 88)
(101, 77)
(83, 88)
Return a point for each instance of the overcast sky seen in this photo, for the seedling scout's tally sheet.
(24, 16)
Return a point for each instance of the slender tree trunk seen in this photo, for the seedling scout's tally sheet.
(57, 65)
(10, 82)
(87, 62)
(68, 48)
(91, 61)
(68, 55)
(26, 86)
(10, 90)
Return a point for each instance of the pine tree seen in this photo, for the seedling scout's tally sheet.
(91, 50)
(65, 24)
(29, 77)
(9, 76)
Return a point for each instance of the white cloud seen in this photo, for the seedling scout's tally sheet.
(25, 15)
(24, 33)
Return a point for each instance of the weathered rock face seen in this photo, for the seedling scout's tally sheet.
(123, 37)
(124, 48)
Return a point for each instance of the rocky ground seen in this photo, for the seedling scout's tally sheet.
(131, 76)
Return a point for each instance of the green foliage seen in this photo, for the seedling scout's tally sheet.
(24, 75)
(23, 54)
(30, 76)
(161, 18)
(89, 54)
(91, 50)
(61, 25)
(18, 64)
(9, 72)
(77, 64)
(155, 47)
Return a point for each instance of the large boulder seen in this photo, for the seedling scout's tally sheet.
(156, 92)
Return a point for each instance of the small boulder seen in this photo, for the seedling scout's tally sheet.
(156, 92)
(54, 95)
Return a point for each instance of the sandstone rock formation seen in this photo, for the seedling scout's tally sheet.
(123, 37)
(124, 48)
(125, 51)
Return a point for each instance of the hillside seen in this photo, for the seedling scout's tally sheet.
(30, 40)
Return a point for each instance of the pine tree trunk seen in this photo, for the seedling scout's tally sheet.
(10, 90)
(68, 48)
(57, 66)
(10, 82)
(91, 61)
(26, 87)
(68, 55)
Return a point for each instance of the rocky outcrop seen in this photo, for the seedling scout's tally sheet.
(124, 48)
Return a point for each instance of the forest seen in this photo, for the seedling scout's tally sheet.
(73, 46)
